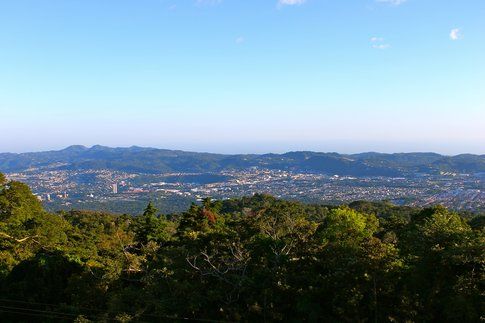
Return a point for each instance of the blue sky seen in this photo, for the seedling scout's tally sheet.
(244, 76)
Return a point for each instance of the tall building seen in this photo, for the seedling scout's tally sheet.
(115, 188)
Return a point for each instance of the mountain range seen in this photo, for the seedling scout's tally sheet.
(152, 161)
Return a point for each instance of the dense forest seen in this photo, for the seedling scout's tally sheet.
(249, 259)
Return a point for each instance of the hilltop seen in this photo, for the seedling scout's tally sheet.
(156, 161)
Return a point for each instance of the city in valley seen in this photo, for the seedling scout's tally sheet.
(128, 192)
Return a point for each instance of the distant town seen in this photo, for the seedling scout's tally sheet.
(106, 189)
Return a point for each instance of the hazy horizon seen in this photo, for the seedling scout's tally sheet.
(248, 150)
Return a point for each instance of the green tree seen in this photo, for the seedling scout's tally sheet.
(151, 227)
(3, 180)
(446, 262)
(344, 225)
(25, 227)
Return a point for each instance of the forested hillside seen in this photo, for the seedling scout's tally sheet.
(151, 160)
(249, 259)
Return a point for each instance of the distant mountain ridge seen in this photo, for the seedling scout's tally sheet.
(154, 160)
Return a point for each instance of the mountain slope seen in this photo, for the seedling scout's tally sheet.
(151, 160)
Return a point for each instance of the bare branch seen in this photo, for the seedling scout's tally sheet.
(19, 240)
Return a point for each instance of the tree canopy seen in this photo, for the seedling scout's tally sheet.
(248, 259)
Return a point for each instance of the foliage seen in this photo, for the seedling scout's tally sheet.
(249, 259)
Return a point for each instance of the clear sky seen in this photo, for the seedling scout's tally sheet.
(244, 75)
